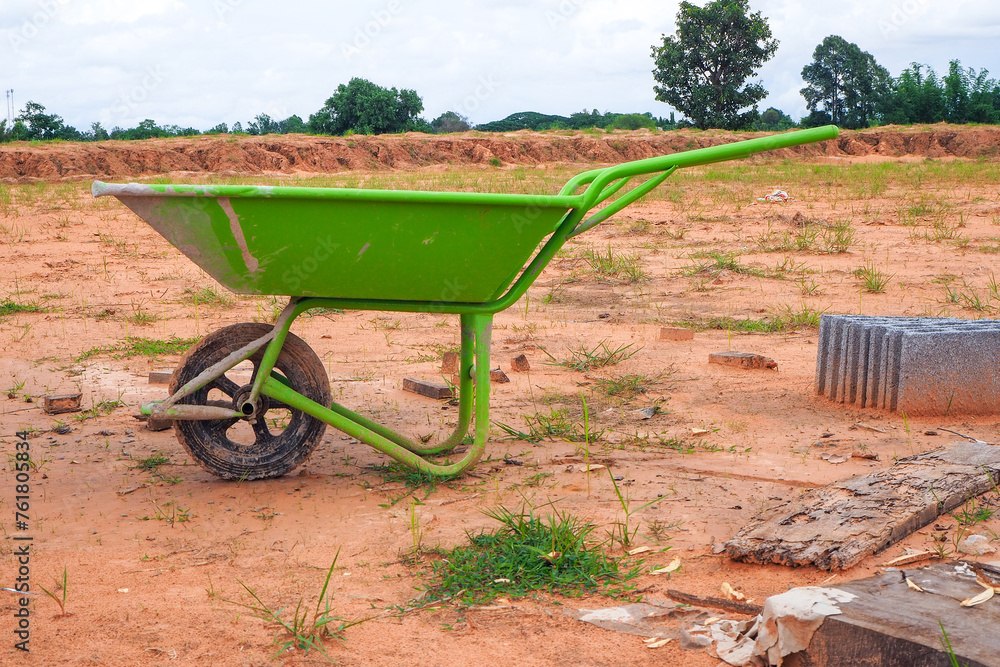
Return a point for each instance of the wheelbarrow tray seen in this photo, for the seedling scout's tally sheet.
(348, 243)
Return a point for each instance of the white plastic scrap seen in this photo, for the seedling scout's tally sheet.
(776, 196)
(790, 619)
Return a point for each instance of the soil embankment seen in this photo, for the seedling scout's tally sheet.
(23, 162)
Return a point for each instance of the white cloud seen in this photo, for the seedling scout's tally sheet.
(228, 60)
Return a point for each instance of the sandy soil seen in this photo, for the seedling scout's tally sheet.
(143, 590)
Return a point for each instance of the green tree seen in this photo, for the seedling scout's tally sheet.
(970, 96)
(703, 70)
(221, 128)
(366, 108)
(774, 120)
(845, 83)
(263, 124)
(450, 121)
(41, 125)
(917, 97)
(293, 125)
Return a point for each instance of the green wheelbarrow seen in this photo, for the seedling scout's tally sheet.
(469, 254)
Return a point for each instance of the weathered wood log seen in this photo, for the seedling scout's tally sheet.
(892, 625)
(835, 526)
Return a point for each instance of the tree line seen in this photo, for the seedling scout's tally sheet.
(358, 107)
(704, 71)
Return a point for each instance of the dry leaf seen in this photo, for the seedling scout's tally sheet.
(674, 565)
(835, 458)
(639, 550)
(911, 584)
(551, 557)
(502, 580)
(979, 599)
(653, 642)
(908, 558)
(731, 593)
(700, 431)
(592, 468)
(709, 621)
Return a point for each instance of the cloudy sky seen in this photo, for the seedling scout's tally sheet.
(200, 62)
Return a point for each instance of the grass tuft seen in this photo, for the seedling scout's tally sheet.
(527, 553)
(136, 346)
(599, 357)
(303, 631)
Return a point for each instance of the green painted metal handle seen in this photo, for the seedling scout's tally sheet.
(733, 151)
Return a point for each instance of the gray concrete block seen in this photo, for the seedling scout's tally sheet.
(908, 363)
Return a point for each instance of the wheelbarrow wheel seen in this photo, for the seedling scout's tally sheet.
(279, 438)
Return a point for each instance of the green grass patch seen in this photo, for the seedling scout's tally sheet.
(557, 425)
(207, 296)
(625, 386)
(8, 307)
(136, 346)
(600, 356)
(627, 268)
(525, 554)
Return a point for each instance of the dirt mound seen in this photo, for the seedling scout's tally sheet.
(20, 162)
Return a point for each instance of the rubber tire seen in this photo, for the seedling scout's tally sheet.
(270, 455)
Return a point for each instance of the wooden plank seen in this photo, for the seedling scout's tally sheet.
(835, 526)
(426, 388)
(890, 624)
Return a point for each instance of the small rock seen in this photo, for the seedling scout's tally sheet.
(519, 364)
(976, 545)
(647, 413)
(930, 432)
(128, 441)
(498, 376)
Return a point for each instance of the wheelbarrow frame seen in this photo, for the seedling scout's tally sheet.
(475, 317)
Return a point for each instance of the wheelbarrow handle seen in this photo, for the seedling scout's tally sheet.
(602, 183)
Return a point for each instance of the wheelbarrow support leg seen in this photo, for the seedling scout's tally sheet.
(477, 351)
(465, 402)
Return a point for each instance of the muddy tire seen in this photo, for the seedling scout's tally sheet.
(280, 438)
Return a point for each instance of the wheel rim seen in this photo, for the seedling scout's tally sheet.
(277, 438)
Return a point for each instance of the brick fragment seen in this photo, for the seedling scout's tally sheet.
(498, 376)
(741, 360)
(58, 404)
(160, 376)
(449, 363)
(676, 333)
(426, 388)
(519, 364)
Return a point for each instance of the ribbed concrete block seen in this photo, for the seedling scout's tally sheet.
(911, 364)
